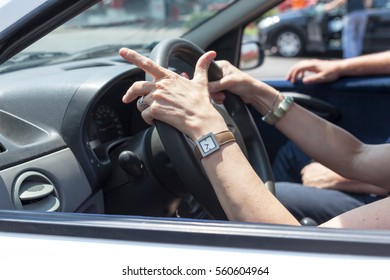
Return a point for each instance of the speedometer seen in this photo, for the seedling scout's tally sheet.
(107, 124)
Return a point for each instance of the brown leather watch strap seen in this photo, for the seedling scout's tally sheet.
(221, 138)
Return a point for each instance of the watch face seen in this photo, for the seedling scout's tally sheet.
(207, 144)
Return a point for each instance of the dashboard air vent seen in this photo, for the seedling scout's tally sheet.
(34, 191)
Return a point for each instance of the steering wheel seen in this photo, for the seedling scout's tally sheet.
(238, 118)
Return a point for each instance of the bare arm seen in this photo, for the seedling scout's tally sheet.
(370, 216)
(369, 64)
(336, 148)
(368, 3)
(314, 71)
(318, 176)
(321, 140)
(334, 4)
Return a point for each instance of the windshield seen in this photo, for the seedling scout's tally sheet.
(111, 24)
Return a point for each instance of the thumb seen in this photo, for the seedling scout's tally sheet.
(202, 67)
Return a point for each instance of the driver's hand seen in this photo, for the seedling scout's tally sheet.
(233, 80)
(237, 82)
(176, 100)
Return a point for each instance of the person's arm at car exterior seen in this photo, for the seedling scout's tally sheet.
(325, 71)
(368, 4)
(185, 104)
(333, 5)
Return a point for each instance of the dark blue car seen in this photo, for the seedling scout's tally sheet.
(296, 32)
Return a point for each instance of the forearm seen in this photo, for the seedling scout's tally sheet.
(316, 175)
(240, 191)
(326, 143)
(359, 187)
(321, 140)
(332, 5)
(370, 216)
(336, 148)
(368, 4)
(370, 64)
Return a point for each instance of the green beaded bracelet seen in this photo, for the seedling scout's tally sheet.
(274, 116)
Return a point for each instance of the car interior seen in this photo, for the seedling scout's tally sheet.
(73, 146)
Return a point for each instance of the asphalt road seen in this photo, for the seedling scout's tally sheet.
(274, 67)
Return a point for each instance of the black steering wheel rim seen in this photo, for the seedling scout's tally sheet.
(176, 143)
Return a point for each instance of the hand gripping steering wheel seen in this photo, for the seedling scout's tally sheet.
(236, 115)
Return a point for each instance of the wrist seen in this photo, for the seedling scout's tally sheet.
(265, 98)
(343, 68)
(214, 124)
(212, 142)
(276, 112)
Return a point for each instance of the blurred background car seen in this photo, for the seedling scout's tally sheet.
(295, 32)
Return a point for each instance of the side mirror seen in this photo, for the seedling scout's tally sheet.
(252, 55)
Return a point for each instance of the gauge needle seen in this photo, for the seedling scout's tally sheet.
(106, 128)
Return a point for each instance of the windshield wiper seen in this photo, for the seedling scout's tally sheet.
(29, 60)
(101, 51)
(31, 56)
(35, 59)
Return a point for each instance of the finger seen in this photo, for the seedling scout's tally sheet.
(218, 97)
(185, 75)
(147, 116)
(141, 105)
(299, 69)
(202, 67)
(146, 64)
(216, 86)
(137, 89)
(294, 74)
(297, 72)
(290, 76)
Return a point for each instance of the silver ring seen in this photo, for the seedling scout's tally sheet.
(141, 105)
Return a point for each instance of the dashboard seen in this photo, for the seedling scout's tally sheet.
(75, 126)
(61, 136)
(111, 120)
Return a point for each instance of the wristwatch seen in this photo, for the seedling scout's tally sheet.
(210, 143)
